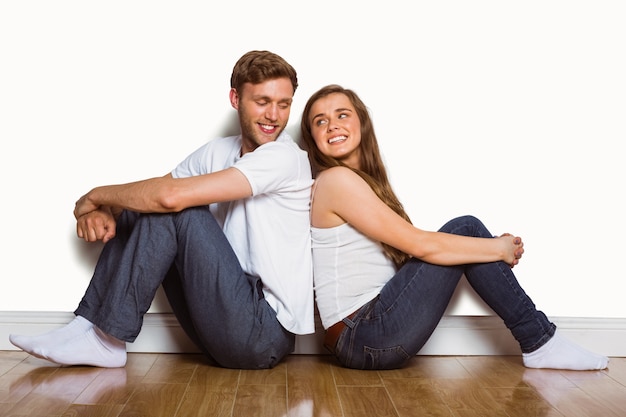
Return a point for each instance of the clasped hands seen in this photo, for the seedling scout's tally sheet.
(515, 249)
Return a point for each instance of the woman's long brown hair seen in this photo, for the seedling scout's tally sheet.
(372, 167)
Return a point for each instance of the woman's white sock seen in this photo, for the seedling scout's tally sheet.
(560, 353)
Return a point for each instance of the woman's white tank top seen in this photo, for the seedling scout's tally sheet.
(349, 269)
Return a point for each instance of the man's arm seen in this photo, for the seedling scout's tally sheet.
(167, 194)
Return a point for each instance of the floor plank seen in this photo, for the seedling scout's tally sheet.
(182, 385)
(154, 400)
(366, 401)
(311, 387)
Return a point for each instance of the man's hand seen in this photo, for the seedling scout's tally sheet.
(96, 225)
(83, 206)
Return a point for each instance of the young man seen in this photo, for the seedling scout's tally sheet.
(226, 233)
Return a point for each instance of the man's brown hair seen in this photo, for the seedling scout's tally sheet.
(258, 66)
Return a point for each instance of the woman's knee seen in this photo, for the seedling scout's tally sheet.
(467, 225)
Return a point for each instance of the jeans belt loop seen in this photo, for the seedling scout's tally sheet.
(333, 332)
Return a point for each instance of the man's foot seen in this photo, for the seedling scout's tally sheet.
(78, 343)
(36, 345)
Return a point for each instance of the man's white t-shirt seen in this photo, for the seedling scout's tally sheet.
(269, 231)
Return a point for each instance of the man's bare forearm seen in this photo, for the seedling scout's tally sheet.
(144, 196)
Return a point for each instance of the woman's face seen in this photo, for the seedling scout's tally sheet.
(336, 128)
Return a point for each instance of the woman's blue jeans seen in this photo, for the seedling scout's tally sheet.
(392, 328)
(221, 308)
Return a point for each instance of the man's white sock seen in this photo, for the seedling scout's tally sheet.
(39, 343)
(560, 353)
(94, 348)
(77, 343)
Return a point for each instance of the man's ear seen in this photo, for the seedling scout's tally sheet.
(234, 99)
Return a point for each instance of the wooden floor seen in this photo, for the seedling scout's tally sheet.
(184, 385)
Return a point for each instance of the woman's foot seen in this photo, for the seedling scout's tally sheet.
(560, 353)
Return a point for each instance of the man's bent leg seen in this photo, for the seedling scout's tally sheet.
(118, 293)
(176, 297)
(128, 274)
(222, 308)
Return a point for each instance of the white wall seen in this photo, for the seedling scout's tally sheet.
(513, 112)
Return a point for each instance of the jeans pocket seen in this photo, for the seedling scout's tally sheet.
(387, 358)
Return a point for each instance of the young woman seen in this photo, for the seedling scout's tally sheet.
(382, 284)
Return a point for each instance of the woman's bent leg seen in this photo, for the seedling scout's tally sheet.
(393, 327)
(496, 284)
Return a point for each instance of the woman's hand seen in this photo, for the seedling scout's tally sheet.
(513, 249)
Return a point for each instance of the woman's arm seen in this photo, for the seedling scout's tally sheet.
(343, 196)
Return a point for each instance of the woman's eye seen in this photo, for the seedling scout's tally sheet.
(342, 116)
(320, 122)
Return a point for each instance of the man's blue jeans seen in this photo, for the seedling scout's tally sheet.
(393, 327)
(220, 307)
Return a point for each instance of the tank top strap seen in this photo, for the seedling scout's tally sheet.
(313, 187)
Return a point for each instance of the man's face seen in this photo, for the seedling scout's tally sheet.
(263, 111)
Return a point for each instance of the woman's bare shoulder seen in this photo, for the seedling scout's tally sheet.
(342, 183)
(338, 173)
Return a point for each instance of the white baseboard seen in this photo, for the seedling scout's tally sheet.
(455, 335)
